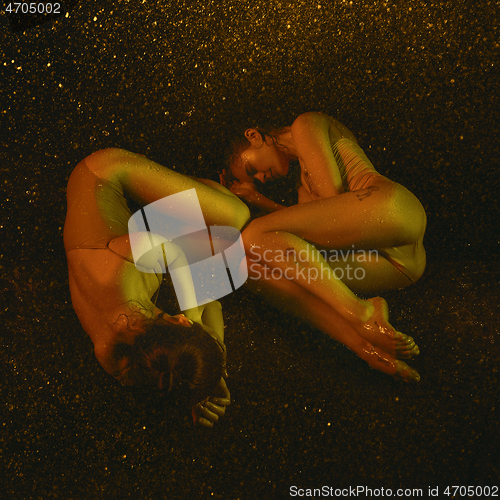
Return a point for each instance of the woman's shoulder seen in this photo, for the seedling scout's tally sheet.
(313, 125)
(312, 117)
(313, 130)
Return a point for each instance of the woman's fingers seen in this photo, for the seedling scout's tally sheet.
(209, 414)
(221, 401)
(205, 422)
(235, 188)
(218, 410)
(183, 320)
(210, 409)
(223, 177)
(222, 396)
(178, 319)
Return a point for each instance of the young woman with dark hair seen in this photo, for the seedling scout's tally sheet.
(352, 231)
(134, 340)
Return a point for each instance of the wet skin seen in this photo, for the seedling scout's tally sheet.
(372, 337)
(263, 160)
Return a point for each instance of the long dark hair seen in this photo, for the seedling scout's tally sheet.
(187, 362)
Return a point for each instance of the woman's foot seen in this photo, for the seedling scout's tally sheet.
(385, 363)
(379, 332)
(405, 373)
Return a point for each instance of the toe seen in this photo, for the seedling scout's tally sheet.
(405, 353)
(405, 373)
(404, 342)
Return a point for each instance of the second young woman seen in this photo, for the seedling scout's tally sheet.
(352, 232)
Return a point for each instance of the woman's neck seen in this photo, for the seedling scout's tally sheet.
(284, 141)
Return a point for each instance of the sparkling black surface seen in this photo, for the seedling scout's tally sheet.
(417, 82)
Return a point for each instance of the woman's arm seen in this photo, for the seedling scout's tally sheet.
(211, 316)
(263, 203)
(211, 409)
(313, 134)
(248, 192)
(145, 181)
(152, 253)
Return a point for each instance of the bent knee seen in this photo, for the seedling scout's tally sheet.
(415, 222)
(251, 233)
(256, 234)
(408, 219)
(104, 162)
(215, 305)
(239, 213)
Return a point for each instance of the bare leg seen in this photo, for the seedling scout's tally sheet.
(365, 272)
(146, 181)
(295, 300)
(383, 215)
(376, 329)
(212, 317)
(281, 241)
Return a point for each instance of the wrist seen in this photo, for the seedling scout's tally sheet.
(254, 197)
(193, 314)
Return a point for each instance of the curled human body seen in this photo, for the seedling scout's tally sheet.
(353, 231)
(115, 300)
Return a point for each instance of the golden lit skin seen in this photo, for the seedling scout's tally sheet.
(115, 299)
(263, 159)
(343, 203)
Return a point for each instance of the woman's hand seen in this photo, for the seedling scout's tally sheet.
(194, 314)
(207, 412)
(243, 190)
(178, 319)
(224, 179)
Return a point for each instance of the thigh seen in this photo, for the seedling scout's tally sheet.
(365, 272)
(146, 181)
(384, 214)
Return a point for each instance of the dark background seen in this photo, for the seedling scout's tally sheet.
(415, 81)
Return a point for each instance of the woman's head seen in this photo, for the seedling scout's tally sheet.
(187, 362)
(257, 155)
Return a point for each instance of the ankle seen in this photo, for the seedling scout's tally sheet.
(365, 311)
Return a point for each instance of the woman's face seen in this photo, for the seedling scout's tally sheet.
(262, 160)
